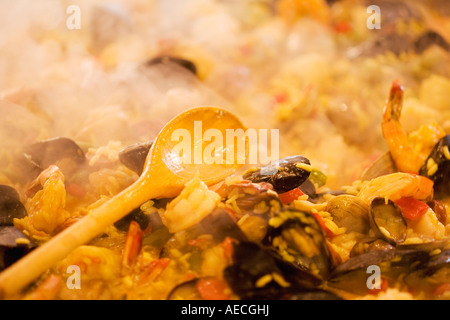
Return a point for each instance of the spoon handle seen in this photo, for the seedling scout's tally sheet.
(30, 267)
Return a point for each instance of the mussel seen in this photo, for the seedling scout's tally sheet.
(349, 212)
(188, 65)
(437, 167)
(438, 207)
(217, 226)
(387, 220)
(354, 274)
(14, 244)
(257, 273)
(299, 239)
(185, 291)
(60, 151)
(433, 274)
(428, 39)
(369, 244)
(255, 212)
(136, 215)
(10, 206)
(204, 288)
(286, 174)
(133, 157)
(315, 294)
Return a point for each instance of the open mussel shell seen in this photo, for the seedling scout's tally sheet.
(299, 239)
(435, 272)
(255, 211)
(387, 220)
(54, 151)
(60, 151)
(369, 244)
(258, 272)
(133, 157)
(437, 167)
(349, 212)
(10, 206)
(316, 294)
(353, 275)
(286, 174)
(136, 215)
(14, 244)
(188, 65)
(185, 291)
(250, 264)
(218, 225)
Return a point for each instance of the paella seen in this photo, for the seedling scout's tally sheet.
(118, 179)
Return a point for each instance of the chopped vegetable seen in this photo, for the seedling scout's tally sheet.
(291, 195)
(411, 208)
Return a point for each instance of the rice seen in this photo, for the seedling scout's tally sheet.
(294, 70)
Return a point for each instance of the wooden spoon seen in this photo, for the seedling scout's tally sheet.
(165, 174)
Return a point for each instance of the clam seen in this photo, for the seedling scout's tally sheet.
(349, 212)
(381, 166)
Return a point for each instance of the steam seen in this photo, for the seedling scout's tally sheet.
(92, 84)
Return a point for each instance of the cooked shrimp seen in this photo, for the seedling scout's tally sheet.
(133, 244)
(46, 208)
(47, 290)
(94, 263)
(397, 185)
(193, 204)
(408, 156)
(403, 154)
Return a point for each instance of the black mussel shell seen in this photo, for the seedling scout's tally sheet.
(136, 215)
(134, 156)
(286, 174)
(185, 291)
(369, 244)
(14, 244)
(440, 157)
(387, 220)
(188, 65)
(353, 275)
(10, 206)
(316, 294)
(250, 263)
(298, 238)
